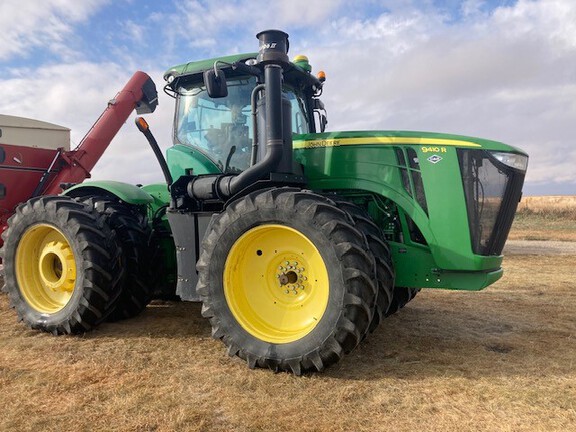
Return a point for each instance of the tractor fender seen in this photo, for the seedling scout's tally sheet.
(128, 193)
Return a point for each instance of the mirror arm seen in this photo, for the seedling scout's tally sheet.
(247, 69)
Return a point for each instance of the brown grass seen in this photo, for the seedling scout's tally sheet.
(545, 218)
(501, 360)
(552, 204)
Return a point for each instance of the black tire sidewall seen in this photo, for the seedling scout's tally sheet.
(96, 255)
(70, 231)
(236, 334)
(133, 235)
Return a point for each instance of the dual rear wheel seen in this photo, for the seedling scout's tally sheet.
(69, 265)
(288, 280)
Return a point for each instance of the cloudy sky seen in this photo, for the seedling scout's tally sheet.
(498, 69)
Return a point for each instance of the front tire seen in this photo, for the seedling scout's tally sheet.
(402, 296)
(381, 251)
(390, 298)
(61, 265)
(287, 280)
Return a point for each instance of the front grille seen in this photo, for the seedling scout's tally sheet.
(493, 190)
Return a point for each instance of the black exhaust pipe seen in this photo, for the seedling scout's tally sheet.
(278, 136)
(273, 47)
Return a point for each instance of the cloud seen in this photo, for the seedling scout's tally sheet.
(40, 23)
(399, 32)
(219, 28)
(300, 12)
(506, 75)
(554, 19)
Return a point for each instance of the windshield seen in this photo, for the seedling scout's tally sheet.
(222, 128)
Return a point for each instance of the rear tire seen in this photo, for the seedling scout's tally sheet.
(286, 280)
(61, 265)
(133, 234)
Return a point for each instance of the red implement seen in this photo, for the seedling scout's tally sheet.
(27, 171)
(21, 169)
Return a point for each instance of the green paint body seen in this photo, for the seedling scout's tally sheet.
(128, 193)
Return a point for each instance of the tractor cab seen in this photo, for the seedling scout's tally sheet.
(220, 131)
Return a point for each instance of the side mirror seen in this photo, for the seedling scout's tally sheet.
(321, 111)
(215, 82)
(323, 122)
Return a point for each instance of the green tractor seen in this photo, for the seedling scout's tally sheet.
(298, 241)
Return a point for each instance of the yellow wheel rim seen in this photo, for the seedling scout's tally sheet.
(45, 268)
(276, 283)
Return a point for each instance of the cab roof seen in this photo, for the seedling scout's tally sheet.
(191, 72)
(198, 67)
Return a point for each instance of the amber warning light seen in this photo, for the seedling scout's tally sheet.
(142, 124)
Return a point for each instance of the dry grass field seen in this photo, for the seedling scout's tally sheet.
(545, 218)
(499, 360)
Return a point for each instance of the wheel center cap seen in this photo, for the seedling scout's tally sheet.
(288, 278)
(56, 266)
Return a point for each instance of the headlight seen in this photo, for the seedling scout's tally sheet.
(513, 160)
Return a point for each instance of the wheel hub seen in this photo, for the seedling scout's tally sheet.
(292, 277)
(276, 283)
(56, 267)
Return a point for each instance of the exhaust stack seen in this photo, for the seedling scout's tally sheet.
(276, 114)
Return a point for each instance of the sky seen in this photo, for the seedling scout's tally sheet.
(499, 69)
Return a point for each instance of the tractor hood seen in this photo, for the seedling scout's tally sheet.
(460, 192)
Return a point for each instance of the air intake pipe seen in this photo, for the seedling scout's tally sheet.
(278, 135)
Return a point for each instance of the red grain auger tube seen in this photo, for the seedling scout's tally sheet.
(140, 94)
(28, 171)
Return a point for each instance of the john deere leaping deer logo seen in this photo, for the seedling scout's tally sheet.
(434, 159)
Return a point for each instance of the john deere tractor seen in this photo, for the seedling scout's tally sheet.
(298, 241)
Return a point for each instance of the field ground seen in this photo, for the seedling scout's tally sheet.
(499, 360)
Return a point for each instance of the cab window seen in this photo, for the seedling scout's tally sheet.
(222, 128)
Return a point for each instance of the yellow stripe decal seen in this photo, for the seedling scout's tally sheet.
(335, 142)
